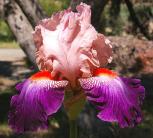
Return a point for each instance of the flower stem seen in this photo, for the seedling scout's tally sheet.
(73, 129)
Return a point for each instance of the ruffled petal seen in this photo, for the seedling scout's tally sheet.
(118, 99)
(104, 50)
(39, 98)
(69, 46)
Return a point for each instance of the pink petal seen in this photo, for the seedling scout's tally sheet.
(69, 46)
(104, 50)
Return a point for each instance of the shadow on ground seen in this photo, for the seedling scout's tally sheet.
(6, 68)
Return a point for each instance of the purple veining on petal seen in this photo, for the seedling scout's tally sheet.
(118, 99)
(37, 100)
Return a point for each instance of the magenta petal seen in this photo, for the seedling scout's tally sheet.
(118, 99)
(37, 100)
(19, 86)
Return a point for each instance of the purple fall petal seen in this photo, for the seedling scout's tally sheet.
(37, 100)
(118, 99)
(19, 86)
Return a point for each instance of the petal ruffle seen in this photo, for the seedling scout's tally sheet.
(118, 99)
(104, 50)
(69, 46)
(38, 99)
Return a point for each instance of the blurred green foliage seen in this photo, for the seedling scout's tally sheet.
(5, 33)
(6, 37)
(51, 6)
(114, 25)
(145, 15)
(122, 23)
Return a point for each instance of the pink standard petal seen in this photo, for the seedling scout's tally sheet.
(38, 99)
(118, 99)
(69, 46)
(104, 50)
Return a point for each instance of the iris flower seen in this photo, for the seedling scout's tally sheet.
(71, 54)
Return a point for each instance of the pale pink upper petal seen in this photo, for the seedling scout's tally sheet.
(104, 49)
(69, 46)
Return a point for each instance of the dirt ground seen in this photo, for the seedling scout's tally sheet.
(12, 67)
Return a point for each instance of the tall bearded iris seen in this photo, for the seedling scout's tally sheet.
(71, 55)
